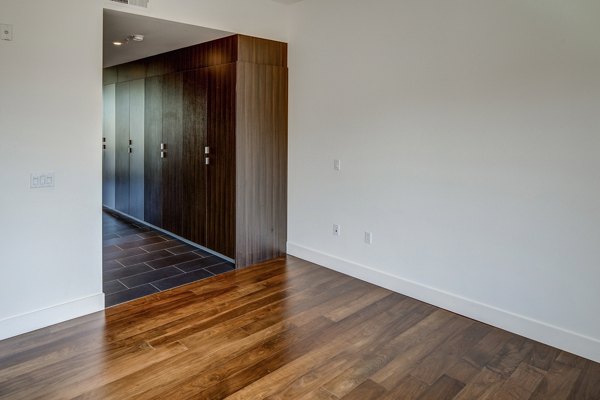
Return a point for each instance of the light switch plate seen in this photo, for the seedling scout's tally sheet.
(42, 180)
(6, 32)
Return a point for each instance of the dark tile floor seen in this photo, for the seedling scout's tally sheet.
(138, 261)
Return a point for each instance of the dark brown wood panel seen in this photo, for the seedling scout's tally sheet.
(261, 165)
(284, 329)
(172, 177)
(109, 76)
(239, 110)
(220, 226)
(262, 51)
(122, 147)
(194, 169)
(217, 52)
(131, 71)
(153, 128)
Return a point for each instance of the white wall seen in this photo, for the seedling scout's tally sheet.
(470, 145)
(51, 120)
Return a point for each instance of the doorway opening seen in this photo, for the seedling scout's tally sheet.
(139, 258)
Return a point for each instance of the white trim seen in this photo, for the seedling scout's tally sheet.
(31, 321)
(540, 331)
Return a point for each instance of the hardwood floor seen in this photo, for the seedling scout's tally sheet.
(287, 329)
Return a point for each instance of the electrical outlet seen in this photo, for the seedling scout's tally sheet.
(6, 32)
(368, 238)
(337, 230)
(337, 165)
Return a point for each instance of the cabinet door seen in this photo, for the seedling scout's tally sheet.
(108, 152)
(136, 134)
(172, 179)
(220, 226)
(122, 147)
(193, 155)
(153, 128)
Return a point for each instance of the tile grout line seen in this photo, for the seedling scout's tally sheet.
(196, 255)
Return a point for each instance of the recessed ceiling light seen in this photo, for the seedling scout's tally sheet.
(137, 38)
(117, 43)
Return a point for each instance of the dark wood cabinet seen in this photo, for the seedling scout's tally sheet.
(153, 131)
(194, 154)
(122, 147)
(136, 152)
(261, 162)
(172, 173)
(221, 193)
(215, 144)
(129, 148)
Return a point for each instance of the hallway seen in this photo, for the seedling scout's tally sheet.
(138, 261)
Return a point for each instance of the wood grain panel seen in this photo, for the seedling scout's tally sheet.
(263, 333)
(136, 157)
(153, 128)
(194, 170)
(131, 71)
(122, 147)
(172, 178)
(220, 226)
(216, 52)
(243, 120)
(108, 145)
(261, 165)
(109, 76)
(262, 51)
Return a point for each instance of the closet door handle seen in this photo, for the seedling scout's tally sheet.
(163, 154)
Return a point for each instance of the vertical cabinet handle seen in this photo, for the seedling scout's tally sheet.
(163, 150)
(207, 150)
(207, 161)
(130, 146)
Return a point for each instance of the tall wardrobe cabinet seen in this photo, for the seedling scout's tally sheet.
(200, 145)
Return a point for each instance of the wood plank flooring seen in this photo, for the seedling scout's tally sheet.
(287, 329)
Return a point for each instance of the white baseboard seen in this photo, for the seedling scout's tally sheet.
(540, 331)
(34, 320)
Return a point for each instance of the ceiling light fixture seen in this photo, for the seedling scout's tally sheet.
(135, 37)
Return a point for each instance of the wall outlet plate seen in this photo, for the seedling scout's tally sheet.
(337, 230)
(6, 32)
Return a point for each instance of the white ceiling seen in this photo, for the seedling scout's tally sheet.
(159, 36)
